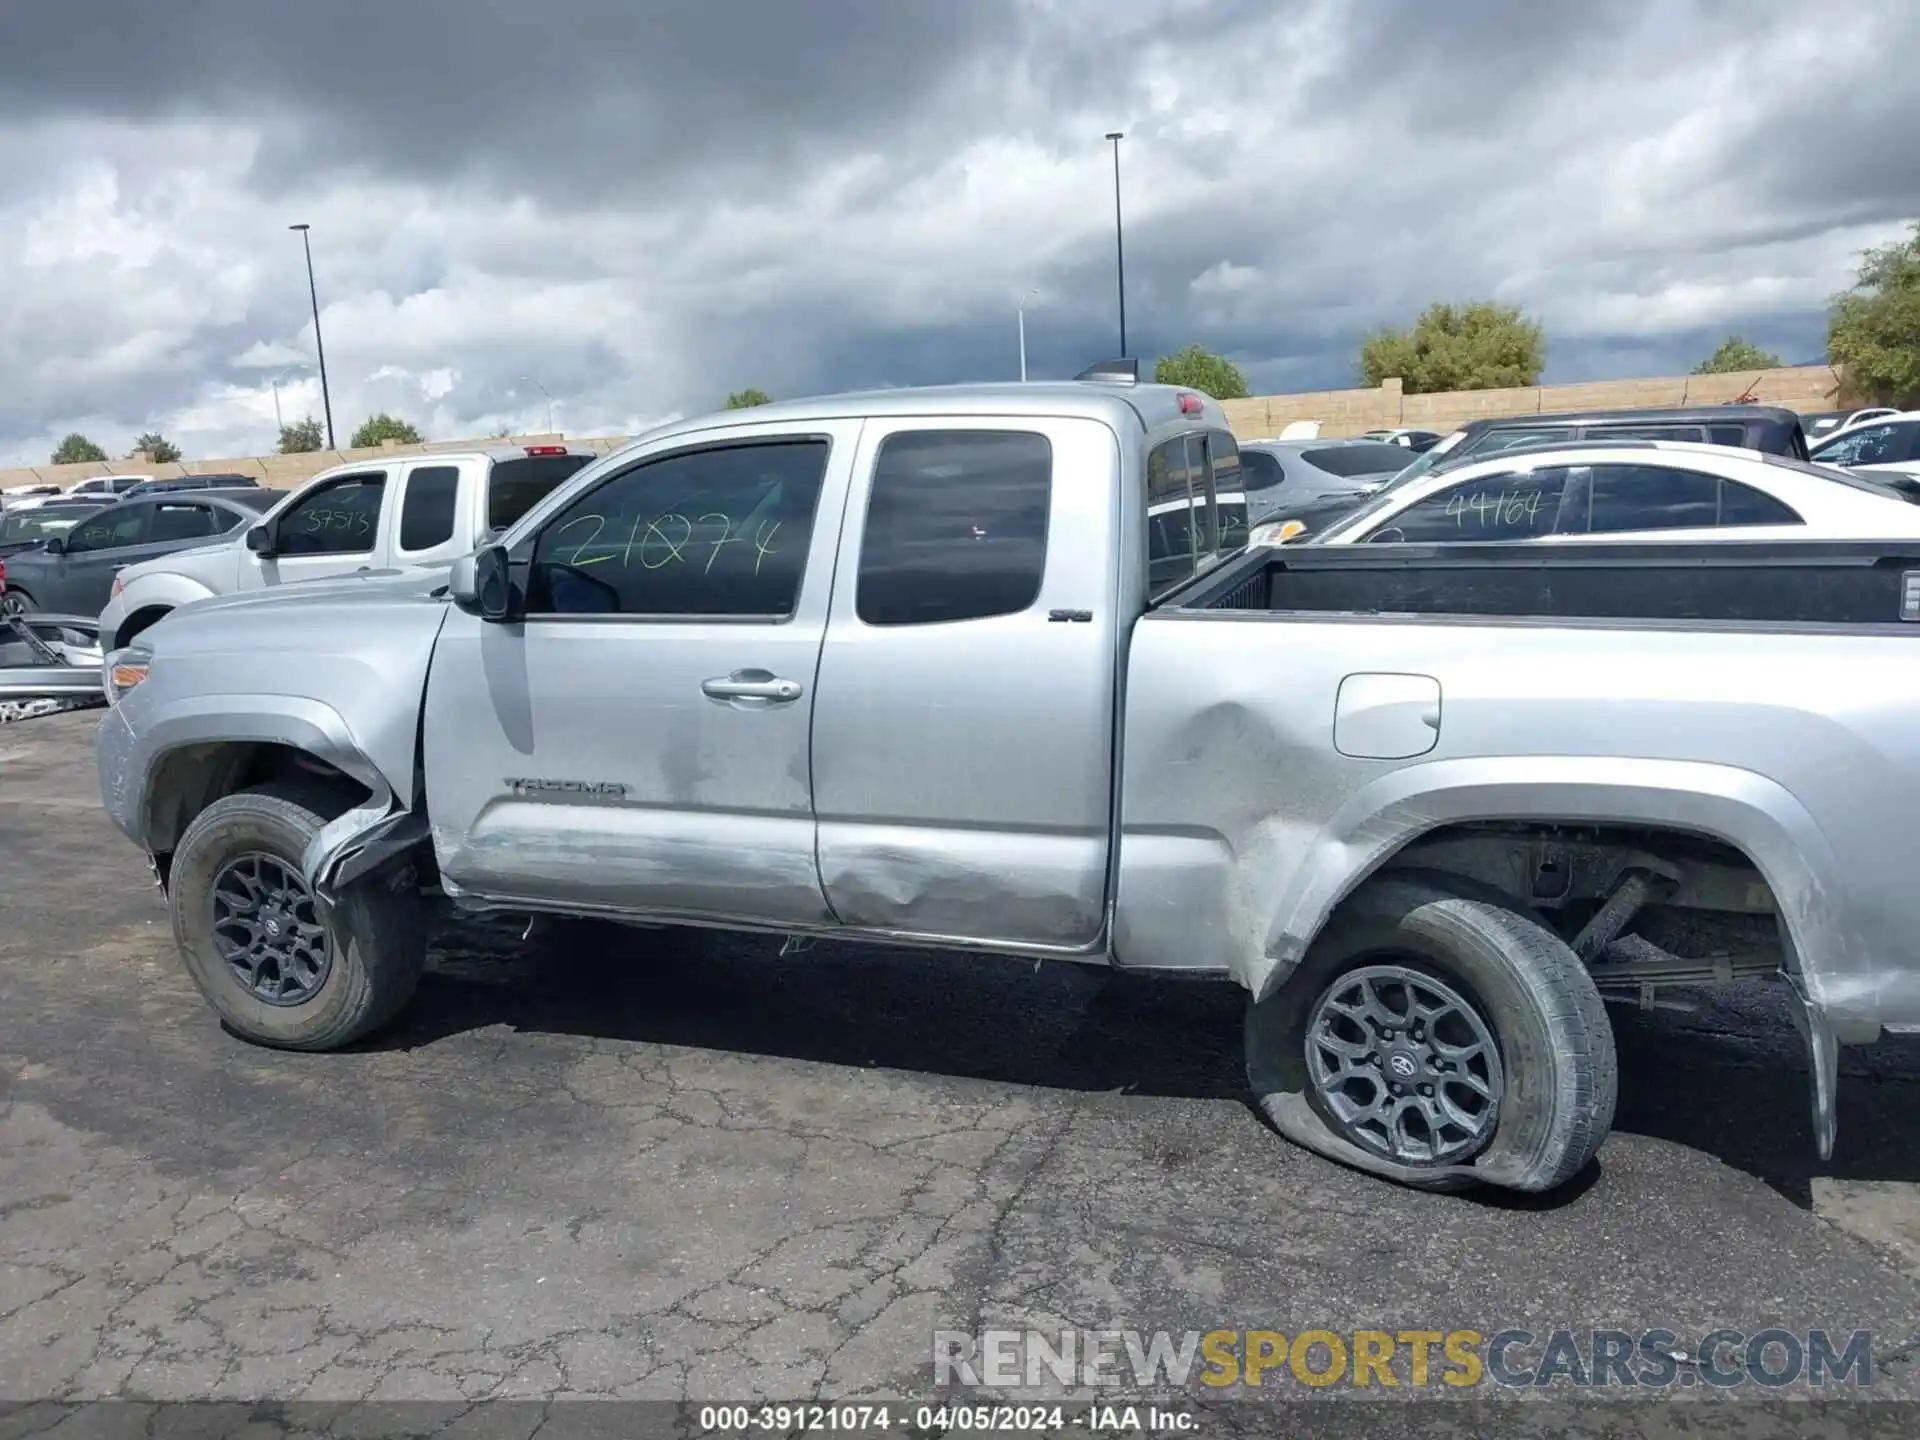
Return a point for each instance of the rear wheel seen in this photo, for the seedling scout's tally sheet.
(1440, 1039)
(278, 966)
(16, 602)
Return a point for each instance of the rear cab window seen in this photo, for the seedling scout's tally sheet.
(428, 507)
(515, 486)
(956, 526)
(1189, 525)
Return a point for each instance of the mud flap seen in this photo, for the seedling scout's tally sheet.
(1823, 1057)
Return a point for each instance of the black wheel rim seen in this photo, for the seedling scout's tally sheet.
(267, 928)
(1405, 1065)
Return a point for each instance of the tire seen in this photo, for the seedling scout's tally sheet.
(1557, 1075)
(375, 936)
(16, 602)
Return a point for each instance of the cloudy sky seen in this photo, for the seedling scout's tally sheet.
(641, 205)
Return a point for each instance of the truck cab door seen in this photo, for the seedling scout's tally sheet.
(639, 741)
(963, 734)
(334, 528)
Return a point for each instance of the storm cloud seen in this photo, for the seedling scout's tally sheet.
(638, 207)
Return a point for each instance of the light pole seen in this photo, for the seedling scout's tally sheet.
(1023, 330)
(1119, 244)
(279, 424)
(543, 390)
(326, 399)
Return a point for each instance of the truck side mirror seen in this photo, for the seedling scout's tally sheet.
(260, 541)
(481, 583)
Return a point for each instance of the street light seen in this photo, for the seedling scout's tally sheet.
(1119, 245)
(326, 399)
(1023, 330)
(278, 423)
(543, 390)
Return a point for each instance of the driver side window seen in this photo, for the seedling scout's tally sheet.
(341, 517)
(1510, 505)
(111, 529)
(722, 531)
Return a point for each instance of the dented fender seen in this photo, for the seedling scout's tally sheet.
(1746, 810)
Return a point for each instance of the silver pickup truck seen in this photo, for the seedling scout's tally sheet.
(925, 667)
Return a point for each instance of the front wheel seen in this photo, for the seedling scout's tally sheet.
(1439, 1039)
(16, 602)
(279, 967)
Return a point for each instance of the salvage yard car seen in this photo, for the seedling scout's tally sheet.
(896, 667)
(75, 572)
(391, 514)
(1588, 492)
(1885, 448)
(1314, 480)
(49, 657)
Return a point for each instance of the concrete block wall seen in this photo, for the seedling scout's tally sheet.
(283, 472)
(1340, 412)
(1349, 412)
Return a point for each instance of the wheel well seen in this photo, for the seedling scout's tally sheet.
(141, 620)
(1564, 873)
(189, 779)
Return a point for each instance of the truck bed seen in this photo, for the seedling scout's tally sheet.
(1820, 583)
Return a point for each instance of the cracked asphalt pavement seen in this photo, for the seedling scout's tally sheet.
(683, 1166)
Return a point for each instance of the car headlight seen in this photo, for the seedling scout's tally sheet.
(124, 669)
(1277, 532)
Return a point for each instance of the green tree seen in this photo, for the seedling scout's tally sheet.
(378, 429)
(1476, 346)
(155, 447)
(77, 449)
(747, 399)
(1873, 329)
(303, 437)
(1202, 370)
(1736, 354)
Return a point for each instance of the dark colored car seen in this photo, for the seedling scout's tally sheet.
(72, 574)
(191, 482)
(24, 529)
(1315, 481)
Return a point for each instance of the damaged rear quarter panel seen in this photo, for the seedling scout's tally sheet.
(1242, 826)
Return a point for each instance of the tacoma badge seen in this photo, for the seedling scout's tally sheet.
(611, 789)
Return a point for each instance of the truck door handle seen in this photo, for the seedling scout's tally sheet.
(751, 685)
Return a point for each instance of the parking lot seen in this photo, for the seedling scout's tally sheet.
(691, 1167)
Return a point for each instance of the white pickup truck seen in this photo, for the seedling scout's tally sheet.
(386, 514)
